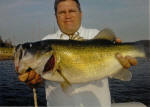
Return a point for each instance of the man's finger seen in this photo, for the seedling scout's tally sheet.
(40, 80)
(36, 80)
(23, 77)
(33, 82)
(124, 62)
(131, 60)
(118, 40)
(31, 75)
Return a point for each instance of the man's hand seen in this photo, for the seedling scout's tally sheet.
(126, 61)
(118, 40)
(31, 78)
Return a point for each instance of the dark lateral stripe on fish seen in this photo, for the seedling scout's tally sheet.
(50, 64)
(47, 43)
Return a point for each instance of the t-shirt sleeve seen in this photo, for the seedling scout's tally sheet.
(90, 33)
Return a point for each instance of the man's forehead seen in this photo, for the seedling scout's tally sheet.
(66, 5)
(60, 1)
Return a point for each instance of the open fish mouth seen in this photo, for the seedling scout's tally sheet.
(49, 66)
(29, 57)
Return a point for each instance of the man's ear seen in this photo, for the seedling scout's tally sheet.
(56, 17)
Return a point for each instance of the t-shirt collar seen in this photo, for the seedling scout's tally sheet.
(59, 33)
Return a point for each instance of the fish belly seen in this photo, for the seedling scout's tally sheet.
(84, 68)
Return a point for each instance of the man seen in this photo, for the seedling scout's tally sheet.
(69, 15)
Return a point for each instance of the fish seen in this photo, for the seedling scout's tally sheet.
(77, 61)
(72, 62)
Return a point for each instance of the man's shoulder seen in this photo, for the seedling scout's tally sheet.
(51, 36)
(90, 30)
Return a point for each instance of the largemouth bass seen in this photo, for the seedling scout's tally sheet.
(77, 61)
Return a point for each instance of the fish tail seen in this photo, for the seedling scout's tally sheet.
(144, 45)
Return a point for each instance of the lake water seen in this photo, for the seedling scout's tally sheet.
(15, 93)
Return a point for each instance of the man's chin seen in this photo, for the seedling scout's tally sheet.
(70, 31)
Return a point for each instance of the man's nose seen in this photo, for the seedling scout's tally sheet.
(68, 15)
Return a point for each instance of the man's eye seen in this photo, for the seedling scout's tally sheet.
(72, 11)
(61, 12)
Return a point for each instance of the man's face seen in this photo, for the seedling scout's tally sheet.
(68, 16)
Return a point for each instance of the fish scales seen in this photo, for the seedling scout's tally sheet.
(88, 60)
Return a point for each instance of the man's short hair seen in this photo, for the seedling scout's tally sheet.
(58, 1)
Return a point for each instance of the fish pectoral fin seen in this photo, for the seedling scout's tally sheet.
(123, 74)
(66, 85)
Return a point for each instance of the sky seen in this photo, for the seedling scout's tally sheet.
(30, 20)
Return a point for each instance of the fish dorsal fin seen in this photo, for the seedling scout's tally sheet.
(106, 34)
(123, 74)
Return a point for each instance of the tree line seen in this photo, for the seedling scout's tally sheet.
(5, 43)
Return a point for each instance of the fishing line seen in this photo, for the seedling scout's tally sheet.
(35, 97)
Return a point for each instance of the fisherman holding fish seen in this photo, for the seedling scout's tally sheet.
(92, 94)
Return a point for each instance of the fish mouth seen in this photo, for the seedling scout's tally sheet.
(49, 66)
